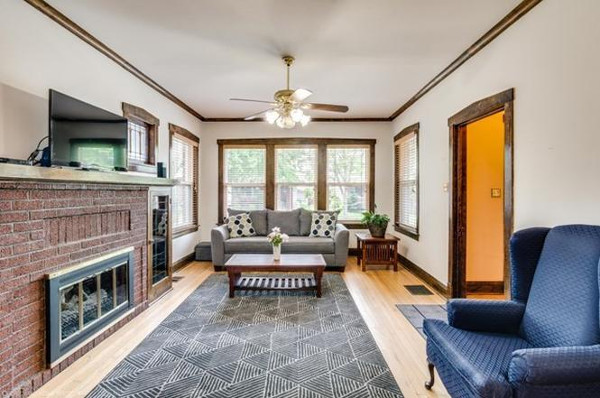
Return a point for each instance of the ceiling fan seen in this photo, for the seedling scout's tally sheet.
(289, 106)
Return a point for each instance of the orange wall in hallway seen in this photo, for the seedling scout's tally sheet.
(485, 222)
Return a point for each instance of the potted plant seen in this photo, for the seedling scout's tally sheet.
(377, 223)
(276, 238)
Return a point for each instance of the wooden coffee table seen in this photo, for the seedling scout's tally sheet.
(304, 263)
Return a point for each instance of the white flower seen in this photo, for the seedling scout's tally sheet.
(285, 237)
(276, 230)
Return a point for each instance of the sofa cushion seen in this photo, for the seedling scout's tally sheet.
(323, 224)
(259, 219)
(481, 359)
(562, 308)
(306, 244)
(240, 226)
(287, 221)
(251, 244)
(305, 221)
(296, 244)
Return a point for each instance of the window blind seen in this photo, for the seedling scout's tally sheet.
(184, 167)
(295, 177)
(244, 178)
(348, 181)
(406, 189)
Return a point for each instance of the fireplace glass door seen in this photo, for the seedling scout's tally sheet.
(159, 242)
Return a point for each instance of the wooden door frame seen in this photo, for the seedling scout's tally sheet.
(457, 226)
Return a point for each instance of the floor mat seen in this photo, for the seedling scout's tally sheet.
(416, 313)
(258, 344)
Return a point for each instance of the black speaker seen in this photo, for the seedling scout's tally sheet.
(161, 170)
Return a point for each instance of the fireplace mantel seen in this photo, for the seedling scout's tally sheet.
(51, 174)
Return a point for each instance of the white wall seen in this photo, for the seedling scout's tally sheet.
(37, 54)
(211, 132)
(551, 58)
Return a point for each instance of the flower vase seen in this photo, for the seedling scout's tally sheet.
(276, 252)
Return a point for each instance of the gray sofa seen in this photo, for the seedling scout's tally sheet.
(295, 223)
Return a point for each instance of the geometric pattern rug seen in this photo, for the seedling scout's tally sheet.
(258, 344)
(417, 313)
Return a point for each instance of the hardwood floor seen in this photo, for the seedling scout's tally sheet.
(376, 292)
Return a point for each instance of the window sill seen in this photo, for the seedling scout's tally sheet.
(353, 225)
(404, 231)
(185, 231)
(142, 168)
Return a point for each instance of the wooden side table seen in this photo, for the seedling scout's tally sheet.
(375, 251)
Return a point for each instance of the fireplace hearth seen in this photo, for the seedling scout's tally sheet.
(84, 299)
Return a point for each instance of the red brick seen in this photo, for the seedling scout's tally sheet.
(14, 238)
(28, 226)
(13, 216)
(5, 205)
(12, 194)
(28, 204)
(6, 229)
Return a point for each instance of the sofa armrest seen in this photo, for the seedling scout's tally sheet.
(218, 236)
(485, 315)
(555, 365)
(341, 238)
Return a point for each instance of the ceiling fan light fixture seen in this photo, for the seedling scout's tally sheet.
(297, 115)
(304, 120)
(271, 116)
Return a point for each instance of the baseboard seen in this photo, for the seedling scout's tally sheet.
(492, 287)
(183, 261)
(424, 275)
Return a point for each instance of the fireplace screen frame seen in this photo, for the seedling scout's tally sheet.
(56, 347)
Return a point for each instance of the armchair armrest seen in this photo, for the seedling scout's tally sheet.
(485, 315)
(555, 365)
(341, 238)
(218, 236)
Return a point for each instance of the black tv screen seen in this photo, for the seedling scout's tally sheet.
(84, 135)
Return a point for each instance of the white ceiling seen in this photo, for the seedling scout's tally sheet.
(370, 55)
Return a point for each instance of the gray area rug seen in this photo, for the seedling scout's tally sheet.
(258, 344)
(419, 312)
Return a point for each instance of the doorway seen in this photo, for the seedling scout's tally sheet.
(481, 210)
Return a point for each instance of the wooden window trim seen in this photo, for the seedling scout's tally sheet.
(177, 130)
(321, 143)
(132, 112)
(412, 233)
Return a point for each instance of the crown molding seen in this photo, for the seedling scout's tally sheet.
(87, 37)
(315, 119)
(513, 16)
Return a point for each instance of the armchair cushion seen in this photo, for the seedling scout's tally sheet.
(555, 365)
(480, 360)
(485, 315)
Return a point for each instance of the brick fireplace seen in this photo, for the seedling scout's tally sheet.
(46, 227)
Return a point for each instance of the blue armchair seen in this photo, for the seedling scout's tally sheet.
(545, 342)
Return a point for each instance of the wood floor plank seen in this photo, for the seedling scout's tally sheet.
(376, 292)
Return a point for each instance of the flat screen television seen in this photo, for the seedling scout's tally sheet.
(84, 135)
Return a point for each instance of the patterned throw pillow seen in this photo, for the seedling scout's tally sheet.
(240, 225)
(323, 225)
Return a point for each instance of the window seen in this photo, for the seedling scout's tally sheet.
(184, 167)
(142, 129)
(295, 177)
(288, 173)
(406, 191)
(348, 181)
(244, 180)
(138, 141)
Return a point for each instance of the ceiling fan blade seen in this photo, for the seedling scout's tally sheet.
(325, 107)
(255, 115)
(300, 95)
(252, 100)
